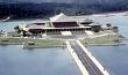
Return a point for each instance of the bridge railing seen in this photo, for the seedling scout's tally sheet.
(76, 58)
(96, 62)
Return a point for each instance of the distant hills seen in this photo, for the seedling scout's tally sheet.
(45, 10)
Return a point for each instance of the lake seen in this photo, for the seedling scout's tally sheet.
(113, 58)
(14, 60)
(57, 61)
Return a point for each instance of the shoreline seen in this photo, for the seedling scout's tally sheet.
(116, 44)
(49, 46)
(32, 43)
(107, 40)
(102, 13)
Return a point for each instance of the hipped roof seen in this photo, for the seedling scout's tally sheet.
(64, 18)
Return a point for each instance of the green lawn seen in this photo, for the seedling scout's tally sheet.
(109, 39)
(37, 42)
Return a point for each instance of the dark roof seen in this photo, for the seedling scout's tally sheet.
(65, 24)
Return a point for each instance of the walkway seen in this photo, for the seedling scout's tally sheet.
(92, 66)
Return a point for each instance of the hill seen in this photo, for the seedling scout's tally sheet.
(44, 10)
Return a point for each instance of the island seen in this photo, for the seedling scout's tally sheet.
(55, 31)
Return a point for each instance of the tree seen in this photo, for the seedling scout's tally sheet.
(25, 33)
(96, 28)
(108, 25)
(115, 29)
(1, 33)
(17, 29)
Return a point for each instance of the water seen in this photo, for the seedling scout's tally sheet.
(14, 60)
(49, 61)
(117, 20)
(9, 26)
(56, 61)
(113, 58)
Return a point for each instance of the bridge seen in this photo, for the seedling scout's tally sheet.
(85, 61)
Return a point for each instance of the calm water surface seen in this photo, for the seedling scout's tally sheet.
(56, 61)
(117, 20)
(48, 61)
(9, 26)
(114, 58)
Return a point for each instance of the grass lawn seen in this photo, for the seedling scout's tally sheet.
(37, 42)
(109, 39)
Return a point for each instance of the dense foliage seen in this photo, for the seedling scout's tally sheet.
(44, 10)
